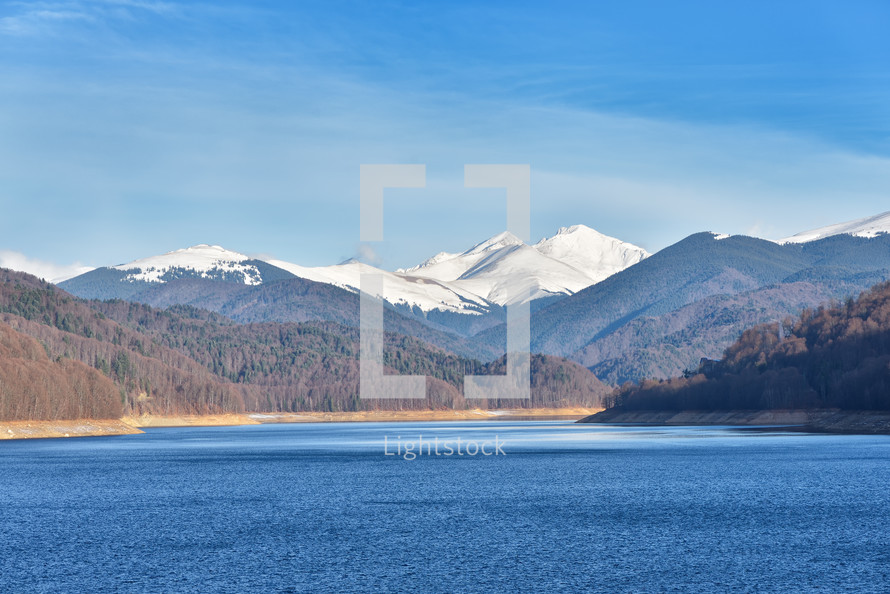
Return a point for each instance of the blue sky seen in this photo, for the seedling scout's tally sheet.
(130, 128)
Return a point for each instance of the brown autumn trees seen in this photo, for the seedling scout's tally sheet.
(188, 361)
(32, 386)
(830, 357)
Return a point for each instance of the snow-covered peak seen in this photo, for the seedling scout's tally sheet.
(597, 255)
(718, 236)
(576, 229)
(201, 255)
(501, 240)
(503, 267)
(438, 258)
(205, 261)
(867, 227)
(450, 267)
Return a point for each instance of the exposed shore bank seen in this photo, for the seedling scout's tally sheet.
(66, 428)
(131, 425)
(389, 416)
(817, 420)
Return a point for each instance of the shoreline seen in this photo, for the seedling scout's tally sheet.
(807, 421)
(130, 425)
(65, 428)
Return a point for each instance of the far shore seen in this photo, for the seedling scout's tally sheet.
(814, 420)
(132, 425)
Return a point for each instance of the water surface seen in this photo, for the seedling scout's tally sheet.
(319, 507)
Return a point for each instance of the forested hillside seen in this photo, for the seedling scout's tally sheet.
(187, 361)
(295, 300)
(664, 346)
(33, 386)
(829, 357)
(149, 377)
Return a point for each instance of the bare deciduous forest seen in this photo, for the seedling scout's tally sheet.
(829, 357)
(64, 357)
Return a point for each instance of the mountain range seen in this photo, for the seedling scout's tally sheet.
(692, 299)
(596, 300)
(478, 281)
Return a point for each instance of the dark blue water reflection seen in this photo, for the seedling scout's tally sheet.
(319, 507)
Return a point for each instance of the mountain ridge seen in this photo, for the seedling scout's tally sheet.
(457, 283)
(865, 227)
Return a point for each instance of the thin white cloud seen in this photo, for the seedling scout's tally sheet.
(41, 20)
(54, 273)
(51, 18)
(157, 7)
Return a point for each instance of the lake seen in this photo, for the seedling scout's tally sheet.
(555, 506)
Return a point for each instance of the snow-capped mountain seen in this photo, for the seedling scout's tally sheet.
(867, 227)
(517, 272)
(399, 289)
(495, 272)
(596, 255)
(503, 269)
(200, 262)
(204, 261)
(499, 270)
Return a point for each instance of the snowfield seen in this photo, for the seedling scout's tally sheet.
(207, 261)
(496, 272)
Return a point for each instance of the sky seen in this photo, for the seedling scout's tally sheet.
(130, 128)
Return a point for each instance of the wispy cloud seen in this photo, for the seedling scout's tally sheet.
(54, 273)
(33, 19)
(43, 18)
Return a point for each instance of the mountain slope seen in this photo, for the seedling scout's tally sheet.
(666, 345)
(450, 267)
(200, 261)
(148, 377)
(409, 290)
(865, 227)
(519, 273)
(225, 282)
(300, 300)
(690, 270)
(836, 357)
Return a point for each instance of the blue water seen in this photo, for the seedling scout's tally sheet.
(320, 507)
